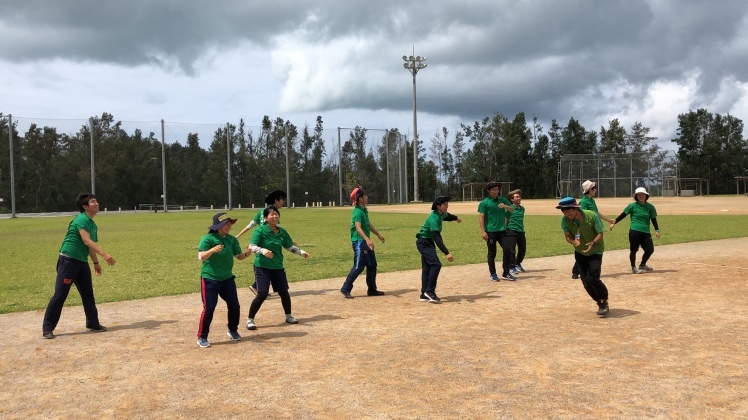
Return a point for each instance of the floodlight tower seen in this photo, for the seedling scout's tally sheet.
(413, 64)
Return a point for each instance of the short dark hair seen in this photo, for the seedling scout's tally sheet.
(268, 210)
(83, 199)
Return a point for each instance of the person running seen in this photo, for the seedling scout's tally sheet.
(277, 199)
(641, 212)
(584, 230)
(493, 210)
(363, 246)
(267, 242)
(79, 244)
(427, 240)
(217, 250)
(589, 191)
(515, 232)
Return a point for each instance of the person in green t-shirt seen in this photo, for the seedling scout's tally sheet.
(217, 250)
(267, 243)
(363, 246)
(641, 212)
(79, 244)
(427, 240)
(589, 191)
(584, 230)
(515, 232)
(276, 198)
(493, 210)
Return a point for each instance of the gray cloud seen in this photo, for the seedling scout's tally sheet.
(547, 58)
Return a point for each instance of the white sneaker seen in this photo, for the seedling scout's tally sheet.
(251, 324)
(637, 270)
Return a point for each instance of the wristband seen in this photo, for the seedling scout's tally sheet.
(657, 230)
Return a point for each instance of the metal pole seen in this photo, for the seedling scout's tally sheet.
(340, 170)
(400, 166)
(288, 179)
(12, 169)
(405, 168)
(93, 177)
(228, 162)
(163, 164)
(387, 151)
(415, 143)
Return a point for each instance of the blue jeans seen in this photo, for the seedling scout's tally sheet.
(363, 258)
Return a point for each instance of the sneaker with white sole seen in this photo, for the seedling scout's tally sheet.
(514, 270)
(637, 270)
(251, 324)
(430, 297)
(96, 328)
(602, 308)
(508, 276)
(645, 267)
(520, 268)
(234, 335)
(494, 277)
(291, 320)
(203, 342)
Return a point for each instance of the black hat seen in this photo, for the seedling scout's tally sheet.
(439, 201)
(220, 219)
(493, 184)
(275, 195)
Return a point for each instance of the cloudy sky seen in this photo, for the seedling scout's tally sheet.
(209, 63)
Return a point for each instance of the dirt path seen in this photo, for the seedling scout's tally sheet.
(672, 347)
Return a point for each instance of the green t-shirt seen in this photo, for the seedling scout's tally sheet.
(73, 245)
(361, 215)
(218, 267)
(432, 224)
(640, 215)
(517, 219)
(494, 215)
(264, 237)
(588, 229)
(588, 203)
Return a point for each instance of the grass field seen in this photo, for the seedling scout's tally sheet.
(157, 253)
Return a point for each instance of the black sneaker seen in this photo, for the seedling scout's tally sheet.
(603, 308)
(291, 320)
(508, 276)
(97, 328)
(575, 275)
(234, 335)
(48, 334)
(346, 295)
(374, 293)
(430, 297)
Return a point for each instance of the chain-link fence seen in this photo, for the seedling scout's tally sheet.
(618, 175)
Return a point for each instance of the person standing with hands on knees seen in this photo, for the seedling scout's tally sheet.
(584, 230)
(363, 246)
(267, 242)
(217, 250)
(428, 239)
(642, 212)
(79, 245)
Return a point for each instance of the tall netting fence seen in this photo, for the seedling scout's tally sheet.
(375, 159)
(165, 165)
(619, 174)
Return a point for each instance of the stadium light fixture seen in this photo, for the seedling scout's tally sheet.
(414, 64)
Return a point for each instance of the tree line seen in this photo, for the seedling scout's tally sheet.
(51, 168)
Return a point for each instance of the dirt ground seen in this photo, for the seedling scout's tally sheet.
(673, 346)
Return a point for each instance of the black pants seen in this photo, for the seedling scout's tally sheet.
(430, 264)
(590, 267)
(266, 277)
(501, 239)
(71, 271)
(516, 240)
(636, 239)
(210, 290)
